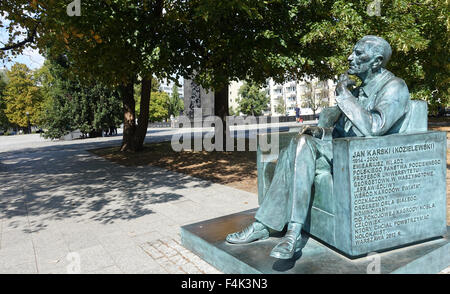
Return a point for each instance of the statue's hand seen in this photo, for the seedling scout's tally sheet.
(314, 131)
(343, 83)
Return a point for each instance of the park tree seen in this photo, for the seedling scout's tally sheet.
(22, 97)
(252, 100)
(175, 104)
(315, 95)
(158, 106)
(281, 106)
(4, 123)
(241, 40)
(78, 107)
(71, 105)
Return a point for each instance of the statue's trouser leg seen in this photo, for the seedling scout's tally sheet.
(303, 179)
(288, 197)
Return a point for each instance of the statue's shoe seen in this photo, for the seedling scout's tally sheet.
(255, 231)
(288, 246)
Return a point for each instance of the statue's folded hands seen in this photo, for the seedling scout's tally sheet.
(314, 131)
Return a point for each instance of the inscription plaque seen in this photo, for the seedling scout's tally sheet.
(393, 194)
(196, 97)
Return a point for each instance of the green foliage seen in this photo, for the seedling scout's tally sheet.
(221, 41)
(4, 123)
(314, 97)
(281, 106)
(21, 96)
(71, 105)
(161, 104)
(252, 101)
(137, 93)
(233, 112)
(416, 30)
(175, 104)
(112, 42)
(239, 40)
(158, 106)
(280, 39)
(57, 117)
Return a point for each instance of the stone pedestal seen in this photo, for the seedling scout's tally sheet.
(385, 195)
(383, 192)
(389, 191)
(207, 240)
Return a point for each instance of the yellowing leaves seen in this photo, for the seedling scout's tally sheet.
(96, 37)
(22, 95)
(77, 34)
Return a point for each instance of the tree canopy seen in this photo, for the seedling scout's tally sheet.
(222, 41)
(252, 100)
(293, 38)
(4, 123)
(281, 106)
(175, 104)
(70, 104)
(21, 96)
(158, 109)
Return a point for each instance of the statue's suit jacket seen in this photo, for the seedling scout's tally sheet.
(385, 106)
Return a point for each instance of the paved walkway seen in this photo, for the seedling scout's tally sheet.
(63, 209)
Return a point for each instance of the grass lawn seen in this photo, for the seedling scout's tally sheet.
(235, 169)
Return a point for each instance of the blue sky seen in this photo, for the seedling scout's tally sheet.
(30, 57)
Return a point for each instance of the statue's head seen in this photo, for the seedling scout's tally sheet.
(369, 54)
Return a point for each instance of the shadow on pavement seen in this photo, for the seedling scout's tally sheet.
(66, 182)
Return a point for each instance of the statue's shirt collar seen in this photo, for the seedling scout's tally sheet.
(376, 84)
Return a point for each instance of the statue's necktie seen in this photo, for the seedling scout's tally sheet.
(362, 99)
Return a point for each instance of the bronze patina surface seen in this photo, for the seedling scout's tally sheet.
(207, 239)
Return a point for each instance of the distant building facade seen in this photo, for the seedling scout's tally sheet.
(233, 96)
(290, 93)
(167, 87)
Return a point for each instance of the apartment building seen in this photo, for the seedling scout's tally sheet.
(233, 95)
(308, 94)
(167, 86)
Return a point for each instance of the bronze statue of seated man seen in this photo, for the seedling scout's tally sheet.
(378, 107)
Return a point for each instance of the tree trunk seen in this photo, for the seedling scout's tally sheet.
(141, 129)
(134, 135)
(129, 116)
(221, 110)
